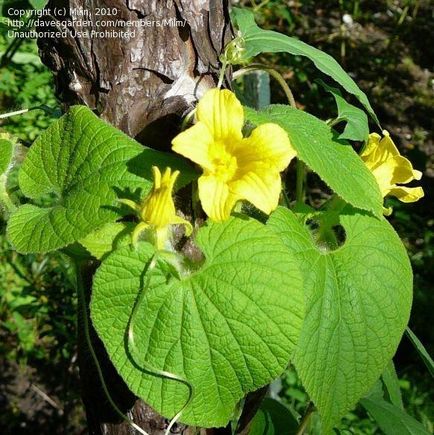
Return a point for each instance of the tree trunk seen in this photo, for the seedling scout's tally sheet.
(155, 74)
(143, 83)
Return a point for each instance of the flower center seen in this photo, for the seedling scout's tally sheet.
(224, 164)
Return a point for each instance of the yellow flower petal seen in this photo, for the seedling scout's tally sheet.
(383, 174)
(234, 168)
(391, 169)
(157, 177)
(177, 220)
(403, 171)
(417, 175)
(388, 145)
(222, 113)
(157, 210)
(262, 189)
(267, 143)
(215, 197)
(195, 144)
(407, 194)
(377, 151)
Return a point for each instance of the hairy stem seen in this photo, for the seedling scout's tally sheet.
(83, 306)
(306, 418)
(273, 73)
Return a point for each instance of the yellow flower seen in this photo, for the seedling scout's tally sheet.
(234, 168)
(391, 169)
(157, 211)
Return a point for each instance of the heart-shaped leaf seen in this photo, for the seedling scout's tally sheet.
(86, 164)
(227, 329)
(358, 301)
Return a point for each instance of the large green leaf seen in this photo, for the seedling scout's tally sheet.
(228, 328)
(332, 159)
(358, 300)
(391, 419)
(86, 164)
(257, 41)
(109, 237)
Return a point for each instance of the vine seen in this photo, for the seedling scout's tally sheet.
(193, 321)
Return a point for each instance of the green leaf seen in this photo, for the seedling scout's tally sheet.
(6, 153)
(333, 160)
(87, 165)
(38, 4)
(109, 237)
(420, 348)
(357, 127)
(27, 59)
(358, 300)
(391, 419)
(391, 382)
(257, 41)
(273, 418)
(228, 328)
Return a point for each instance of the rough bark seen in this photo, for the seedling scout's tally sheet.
(155, 75)
(143, 85)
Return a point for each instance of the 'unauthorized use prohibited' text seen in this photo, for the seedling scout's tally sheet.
(78, 23)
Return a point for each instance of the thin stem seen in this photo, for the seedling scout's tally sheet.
(50, 111)
(7, 56)
(333, 122)
(258, 7)
(131, 338)
(403, 15)
(305, 420)
(301, 179)
(13, 47)
(286, 198)
(10, 114)
(222, 72)
(83, 304)
(187, 119)
(273, 73)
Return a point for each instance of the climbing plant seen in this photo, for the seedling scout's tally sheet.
(214, 271)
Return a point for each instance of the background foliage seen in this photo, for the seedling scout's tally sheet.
(387, 47)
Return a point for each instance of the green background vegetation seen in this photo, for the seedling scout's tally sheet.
(387, 47)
